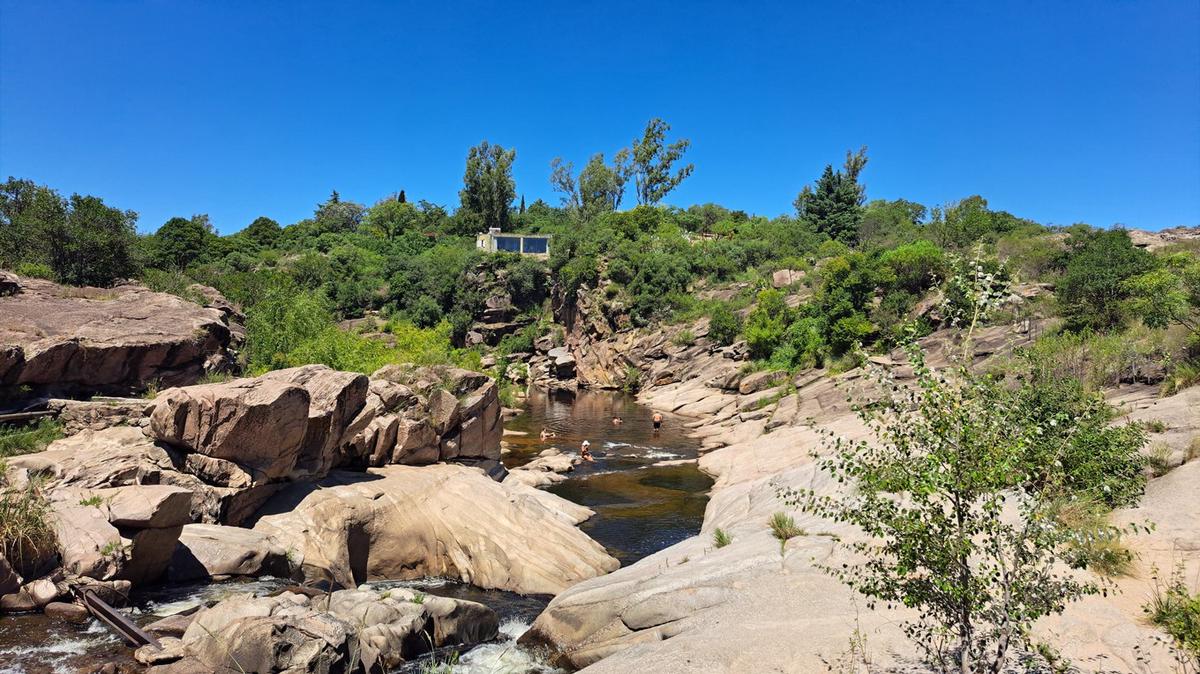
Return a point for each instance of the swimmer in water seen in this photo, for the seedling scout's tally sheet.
(617, 421)
(657, 420)
(546, 434)
(584, 452)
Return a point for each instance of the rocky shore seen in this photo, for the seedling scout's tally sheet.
(756, 604)
(309, 473)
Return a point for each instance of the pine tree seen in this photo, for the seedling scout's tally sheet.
(834, 206)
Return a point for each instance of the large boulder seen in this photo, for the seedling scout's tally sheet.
(211, 550)
(259, 423)
(104, 339)
(349, 630)
(335, 398)
(151, 506)
(444, 520)
(88, 544)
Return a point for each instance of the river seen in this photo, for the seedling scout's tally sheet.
(646, 493)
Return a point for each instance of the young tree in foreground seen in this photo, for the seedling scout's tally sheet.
(958, 494)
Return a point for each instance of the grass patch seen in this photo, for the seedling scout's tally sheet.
(684, 338)
(1096, 546)
(1181, 376)
(783, 528)
(28, 438)
(95, 501)
(720, 538)
(1155, 426)
(1176, 609)
(1158, 459)
(26, 535)
(418, 598)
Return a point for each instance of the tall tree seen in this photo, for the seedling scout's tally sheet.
(181, 242)
(82, 240)
(834, 206)
(336, 215)
(652, 161)
(601, 187)
(562, 180)
(264, 231)
(488, 186)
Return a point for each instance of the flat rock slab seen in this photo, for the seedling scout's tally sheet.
(104, 338)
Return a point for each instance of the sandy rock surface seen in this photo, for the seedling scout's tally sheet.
(100, 339)
(442, 520)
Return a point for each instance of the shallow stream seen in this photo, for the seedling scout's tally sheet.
(640, 508)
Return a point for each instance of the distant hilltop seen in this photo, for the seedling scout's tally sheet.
(1166, 237)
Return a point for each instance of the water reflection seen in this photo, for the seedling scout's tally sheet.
(640, 507)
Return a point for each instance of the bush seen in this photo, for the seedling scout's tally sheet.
(35, 270)
(767, 324)
(1092, 288)
(1093, 459)
(917, 266)
(724, 325)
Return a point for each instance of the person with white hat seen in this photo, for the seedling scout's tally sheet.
(584, 452)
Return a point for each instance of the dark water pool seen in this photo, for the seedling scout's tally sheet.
(640, 507)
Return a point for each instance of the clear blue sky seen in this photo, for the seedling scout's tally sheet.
(1058, 111)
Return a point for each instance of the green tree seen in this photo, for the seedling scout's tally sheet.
(652, 161)
(336, 215)
(724, 325)
(264, 231)
(834, 205)
(959, 522)
(1092, 290)
(391, 218)
(601, 187)
(181, 242)
(1168, 295)
(95, 244)
(488, 186)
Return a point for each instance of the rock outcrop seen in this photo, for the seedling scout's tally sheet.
(444, 520)
(680, 609)
(106, 339)
(348, 631)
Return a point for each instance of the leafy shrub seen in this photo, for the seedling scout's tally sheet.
(1093, 459)
(1092, 288)
(917, 266)
(35, 270)
(767, 323)
(724, 325)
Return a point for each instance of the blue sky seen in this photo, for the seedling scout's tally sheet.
(1058, 111)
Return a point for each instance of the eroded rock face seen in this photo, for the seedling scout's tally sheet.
(442, 520)
(259, 423)
(351, 630)
(211, 550)
(105, 339)
(335, 398)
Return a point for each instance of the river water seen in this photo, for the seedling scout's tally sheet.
(640, 508)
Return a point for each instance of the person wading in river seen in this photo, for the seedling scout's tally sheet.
(657, 420)
(584, 452)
